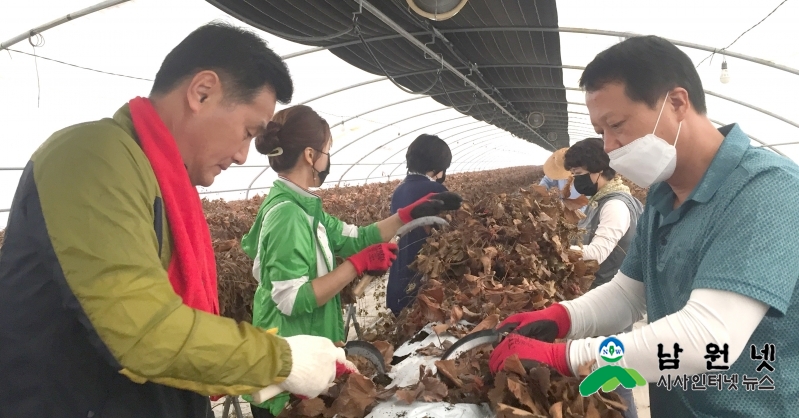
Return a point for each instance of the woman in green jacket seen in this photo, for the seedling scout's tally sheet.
(293, 242)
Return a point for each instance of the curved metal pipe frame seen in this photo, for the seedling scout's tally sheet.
(456, 70)
(467, 151)
(575, 67)
(753, 107)
(477, 145)
(471, 152)
(478, 159)
(458, 149)
(482, 162)
(440, 59)
(398, 165)
(584, 31)
(69, 17)
(437, 133)
(470, 167)
(394, 139)
(330, 93)
(356, 140)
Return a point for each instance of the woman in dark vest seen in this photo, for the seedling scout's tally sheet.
(610, 218)
(612, 212)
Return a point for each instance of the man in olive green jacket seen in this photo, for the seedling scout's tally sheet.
(91, 325)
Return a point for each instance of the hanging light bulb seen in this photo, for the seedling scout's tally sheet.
(725, 74)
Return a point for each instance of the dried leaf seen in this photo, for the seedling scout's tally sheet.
(591, 411)
(499, 211)
(471, 278)
(387, 350)
(225, 245)
(522, 394)
(311, 407)
(575, 204)
(447, 368)
(486, 262)
(497, 394)
(469, 315)
(356, 396)
(613, 404)
(440, 328)
(506, 411)
(386, 394)
(514, 365)
(430, 309)
(489, 322)
(540, 376)
(434, 390)
(410, 394)
(431, 350)
(455, 315)
(576, 406)
(556, 410)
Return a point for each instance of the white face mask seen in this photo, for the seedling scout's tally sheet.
(647, 160)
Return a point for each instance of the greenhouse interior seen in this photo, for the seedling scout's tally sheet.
(497, 80)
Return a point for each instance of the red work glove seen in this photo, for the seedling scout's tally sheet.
(528, 349)
(375, 259)
(545, 325)
(430, 205)
(345, 367)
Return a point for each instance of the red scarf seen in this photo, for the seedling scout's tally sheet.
(192, 269)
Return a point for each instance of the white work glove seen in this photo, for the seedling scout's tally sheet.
(315, 363)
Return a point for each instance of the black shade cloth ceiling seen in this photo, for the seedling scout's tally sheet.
(519, 68)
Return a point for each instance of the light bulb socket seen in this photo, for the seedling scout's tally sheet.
(724, 65)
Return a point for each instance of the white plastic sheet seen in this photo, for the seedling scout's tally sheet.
(406, 373)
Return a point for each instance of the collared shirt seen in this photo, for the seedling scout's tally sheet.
(737, 231)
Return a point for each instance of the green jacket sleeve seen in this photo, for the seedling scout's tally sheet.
(96, 190)
(348, 239)
(287, 259)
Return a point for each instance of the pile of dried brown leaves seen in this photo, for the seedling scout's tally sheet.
(504, 254)
(357, 205)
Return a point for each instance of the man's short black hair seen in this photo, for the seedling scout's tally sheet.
(243, 61)
(589, 154)
(649, 66)
(428, 153)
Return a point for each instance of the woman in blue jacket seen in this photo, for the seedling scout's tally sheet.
(428, 158)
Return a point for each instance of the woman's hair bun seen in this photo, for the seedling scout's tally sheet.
(269, 139)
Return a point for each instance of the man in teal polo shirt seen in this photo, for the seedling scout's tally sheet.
(714, 263)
